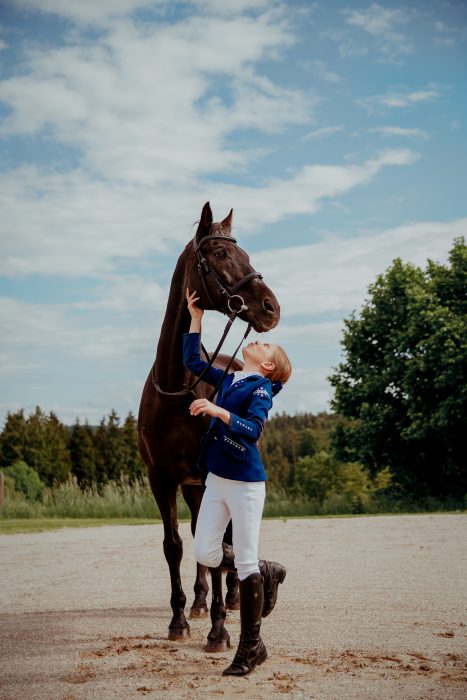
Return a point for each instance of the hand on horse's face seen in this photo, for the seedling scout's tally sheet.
(195, 311)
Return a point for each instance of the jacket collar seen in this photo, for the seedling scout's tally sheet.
(241, 382)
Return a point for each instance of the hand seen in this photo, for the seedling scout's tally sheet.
(204, 407)
(195, 311)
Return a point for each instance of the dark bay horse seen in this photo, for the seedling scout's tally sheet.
(168, 436)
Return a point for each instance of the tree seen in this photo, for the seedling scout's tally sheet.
(402, 390)
(45, 447)
(82, 453)
(26, 480)
(12, 438)
(111, 454)
(318, 476)
(308, 443)
(134, 465)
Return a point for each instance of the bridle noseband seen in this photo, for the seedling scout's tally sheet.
(204, 268)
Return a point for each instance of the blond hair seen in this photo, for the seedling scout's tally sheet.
(283, 368)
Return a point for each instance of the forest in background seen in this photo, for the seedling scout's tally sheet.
(54, 470)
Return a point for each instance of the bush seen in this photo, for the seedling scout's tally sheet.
(26, 480)
(120, 499)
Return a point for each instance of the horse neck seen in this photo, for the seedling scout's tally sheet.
(169, 367)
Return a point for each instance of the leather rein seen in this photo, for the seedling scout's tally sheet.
(229, 293)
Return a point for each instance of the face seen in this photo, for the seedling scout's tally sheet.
(232, 264)
(258, 352)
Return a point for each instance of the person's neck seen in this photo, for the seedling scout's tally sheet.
(247, 367)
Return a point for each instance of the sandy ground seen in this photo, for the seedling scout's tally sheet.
(370, 608)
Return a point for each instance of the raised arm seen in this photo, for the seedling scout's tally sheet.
(191, 341)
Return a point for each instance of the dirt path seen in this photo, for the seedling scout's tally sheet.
(371, 608)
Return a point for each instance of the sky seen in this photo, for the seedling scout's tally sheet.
(335, 130)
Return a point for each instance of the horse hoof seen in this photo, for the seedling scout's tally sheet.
(217, 646)
(233, 606)
(180, 635)
(198, 612)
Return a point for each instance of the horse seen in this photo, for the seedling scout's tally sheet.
(168, 437)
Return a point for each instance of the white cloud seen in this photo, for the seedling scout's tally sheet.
(230, 7)
(383, 25)
(141, 103)
(38, 326)
(312, 282)
(69, 224)
(87, 13)
(377, 20)
(332, 276)
(398, 99)
(321, 71)
(321, 133)
(444, 41)
(304, 193)
(448, 35)
(347, 45)
(307, 390)
(142, 109)
(400, 131)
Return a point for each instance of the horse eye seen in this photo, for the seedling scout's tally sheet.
(219, 254)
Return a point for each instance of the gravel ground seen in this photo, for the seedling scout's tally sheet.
(372, 607)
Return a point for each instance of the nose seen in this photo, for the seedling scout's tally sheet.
(268, 305)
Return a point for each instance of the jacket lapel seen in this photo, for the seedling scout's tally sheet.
(241, 383)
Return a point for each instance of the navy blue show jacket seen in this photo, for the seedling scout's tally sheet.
(231, 450)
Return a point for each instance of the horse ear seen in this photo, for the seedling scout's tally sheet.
(204, 222)
(226, 225)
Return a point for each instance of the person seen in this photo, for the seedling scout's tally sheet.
(235, 480)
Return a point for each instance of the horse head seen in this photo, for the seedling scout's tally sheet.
(223, 277)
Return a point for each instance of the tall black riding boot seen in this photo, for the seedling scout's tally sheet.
(273, 574)
(251, 650)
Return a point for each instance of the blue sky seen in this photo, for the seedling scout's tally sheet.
(335, 130)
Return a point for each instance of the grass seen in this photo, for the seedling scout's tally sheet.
(14, 526)
(117, 503)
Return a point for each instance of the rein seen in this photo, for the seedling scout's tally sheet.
(230, 293)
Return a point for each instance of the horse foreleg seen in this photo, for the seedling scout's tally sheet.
(165, 494)
(218, 637)
(179, 629)
(193, 495)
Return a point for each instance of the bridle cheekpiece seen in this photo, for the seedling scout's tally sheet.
(204, 268)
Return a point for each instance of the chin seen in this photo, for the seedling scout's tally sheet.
(260, 326)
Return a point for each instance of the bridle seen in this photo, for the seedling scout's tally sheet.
(229, 293)
(205, 268)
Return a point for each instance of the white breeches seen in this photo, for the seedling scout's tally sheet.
(224, 499)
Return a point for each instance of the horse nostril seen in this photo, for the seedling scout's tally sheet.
(268, 305)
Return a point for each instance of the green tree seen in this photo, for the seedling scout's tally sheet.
(307, 443)
(82, 453)
(12, 438)
(402, 390)
(26, 480)
(45, 447)
(135, 468)
(318, 476)
(110, 449)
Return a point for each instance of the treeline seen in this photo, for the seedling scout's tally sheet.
(94, 455)
(40, 451)
(39, 455)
